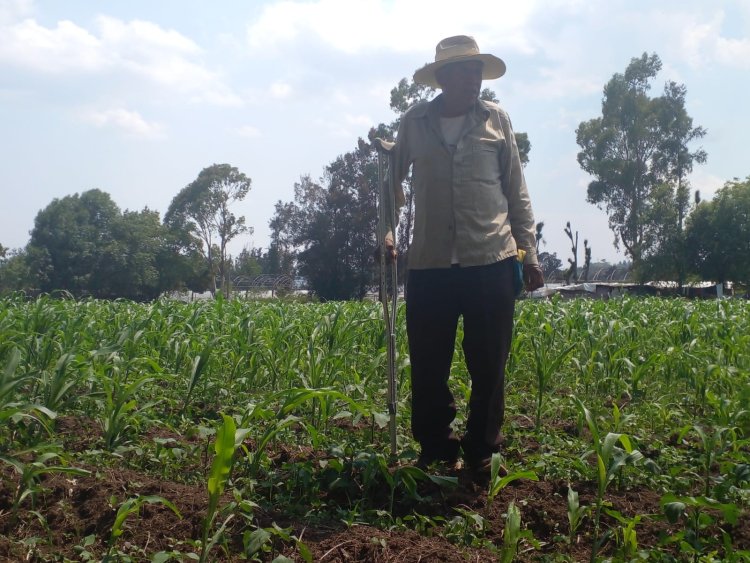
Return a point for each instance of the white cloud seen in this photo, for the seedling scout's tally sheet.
(562, 81)
(14, 10)
(696, 39)
(139, 48)
(129, 121)
(355, 26)
(143, 39)
(702, 43)
(733, 52)
(165, 57)
(64, 48)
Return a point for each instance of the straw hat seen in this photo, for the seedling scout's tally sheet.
(458, 49)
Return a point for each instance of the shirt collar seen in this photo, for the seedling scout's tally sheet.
(432, 109)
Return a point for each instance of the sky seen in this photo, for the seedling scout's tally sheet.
(136, 97)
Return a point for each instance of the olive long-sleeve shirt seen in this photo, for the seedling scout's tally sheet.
(471, 197)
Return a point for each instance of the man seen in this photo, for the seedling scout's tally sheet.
(472, 214)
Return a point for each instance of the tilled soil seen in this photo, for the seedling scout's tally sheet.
(76, 507)
(53, 524)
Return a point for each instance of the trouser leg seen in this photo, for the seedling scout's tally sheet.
(431, 320)
(487, 307)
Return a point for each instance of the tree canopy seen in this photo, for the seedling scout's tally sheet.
(84, 244)
(638, 153)
(332, 226)
(203, 210)
(72, 240)
(718, 234)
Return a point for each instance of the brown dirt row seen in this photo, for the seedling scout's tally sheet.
(77, 507)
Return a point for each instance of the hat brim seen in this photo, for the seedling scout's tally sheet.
(492, 67)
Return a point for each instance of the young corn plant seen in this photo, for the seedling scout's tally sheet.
(126, 509)
(9, 381)
(283, 418)
(498, 482)
(713, 444)
(115, 393)
(260, 540)
(31, 472)
(512, 534)
(626, 536)
(610, 459)
(637, 371)
(118, 407)
(197, 367)
(407, 477)
(54, 388)
(730, 412)
(699, 514)
(228, 438)
(547, 363)
(576, 514)
(466, 528)
(683, 356)
(13, 407)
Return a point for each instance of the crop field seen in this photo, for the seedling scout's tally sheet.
(241, 430)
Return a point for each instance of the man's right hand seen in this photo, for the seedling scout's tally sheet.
(390, 251)
(533, 277)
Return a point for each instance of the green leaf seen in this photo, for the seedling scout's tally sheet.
(495, 464)
(602, 471)
(133, 505)
(609, 444)
(505, 481)
(674, 511)
(625, 441)
(258, 539)
(125, 509)
(443, 481)
(573, 502)
(304, 552)
(511, 533)
(222, 463)
(593, 428)
(239, 436)
(381, 419)
(730, 513)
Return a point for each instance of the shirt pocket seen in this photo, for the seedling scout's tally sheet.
(485, 161)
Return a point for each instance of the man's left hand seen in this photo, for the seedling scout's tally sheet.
(533, 278)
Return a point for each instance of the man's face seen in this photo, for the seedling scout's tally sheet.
(461, 82)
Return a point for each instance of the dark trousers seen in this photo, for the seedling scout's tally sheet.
(435, 299)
